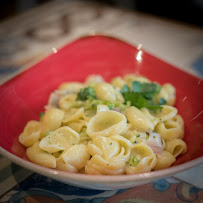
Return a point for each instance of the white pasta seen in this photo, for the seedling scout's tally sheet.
(164, 161)
(52, 119)
(39, 156)
(99, 166)
(73, 114)
(118, 82)
(77, 125)
(31, 133)
(170, 129)
(176, 147)
(138, 119)
(142, 159)
(67, 102)
(128, 126)
(105, 91)
(106, 123)
(60, 139)
(76, 156)
(72, 87)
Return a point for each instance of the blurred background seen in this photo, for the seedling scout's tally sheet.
(188, 11)
(171, 30)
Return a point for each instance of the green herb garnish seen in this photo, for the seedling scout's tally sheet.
(134, 161)
(41, 115)
(107, 103)
(148, 90)
(46, 133)
(162, 101)
(86, 94)
(142, 95)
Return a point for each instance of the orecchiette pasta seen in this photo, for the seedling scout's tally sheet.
(176, 147)
(105, 91)
(128, 126)
(41, 157)
(52, 119)
(138, 119)
(31, 133)
(106, 123)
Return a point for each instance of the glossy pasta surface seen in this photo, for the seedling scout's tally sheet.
(126, 126)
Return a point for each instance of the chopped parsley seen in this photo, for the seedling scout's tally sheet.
(46, 133)
(138, 135)
(111, 143)
(162, 101)
(41, 115)
(107, 103)
(142, 95)
(134, 161)
(87, 93)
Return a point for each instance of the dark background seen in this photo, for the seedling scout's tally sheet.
(188, 11)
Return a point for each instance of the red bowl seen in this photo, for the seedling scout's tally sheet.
(24, 96)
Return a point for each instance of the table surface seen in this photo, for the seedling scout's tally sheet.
(35, 34)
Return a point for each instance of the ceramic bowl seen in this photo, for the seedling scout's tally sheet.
(24, 97)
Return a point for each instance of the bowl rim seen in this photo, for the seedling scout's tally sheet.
(54, 173)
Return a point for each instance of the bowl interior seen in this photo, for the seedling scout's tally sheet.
(24, 96)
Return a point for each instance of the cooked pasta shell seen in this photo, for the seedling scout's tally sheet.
(76, 156)
(169, 130)
(114, 148)
(125, 148)
(61, 165)
(94, 79)
(39, 156)
(108, 146)
(166, 113)
(119, 96)
(142, 159)
(102, 107)
(148, 114)
(167, 92)
(73, 114)
(138, 119)
(118, 82)
(106, 123)
(99, 166)
(131, 132)
(77, 125)
(71, 87)
(60, 139)
(52, 120)
(129, 78)
(94, 149)
(171, 93)
(164, 161)
(176, 147)
(105, 91)
(31, 133)
(68, 101)
(178, 119)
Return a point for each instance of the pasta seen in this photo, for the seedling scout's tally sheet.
(127, 126)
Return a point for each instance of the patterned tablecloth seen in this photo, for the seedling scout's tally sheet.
(33, 35)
